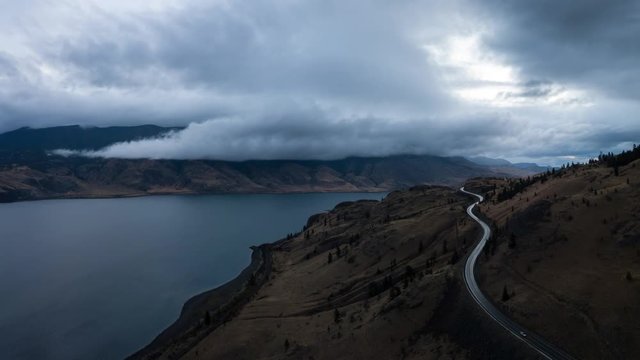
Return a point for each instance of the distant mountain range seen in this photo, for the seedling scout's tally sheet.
(27, 172)
(502, 163)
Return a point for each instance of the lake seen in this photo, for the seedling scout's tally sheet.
(100, 278)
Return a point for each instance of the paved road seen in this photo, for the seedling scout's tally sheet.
(534, 341)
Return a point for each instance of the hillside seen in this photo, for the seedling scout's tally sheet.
(36, 176)
(568, 253)
(366, 280)
(499, 165)
(28, 171)
(383, 279)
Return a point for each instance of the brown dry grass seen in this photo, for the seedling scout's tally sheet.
(328, 310)
(577, 237)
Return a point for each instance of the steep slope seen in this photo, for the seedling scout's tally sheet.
(366, 280)
(566, 261)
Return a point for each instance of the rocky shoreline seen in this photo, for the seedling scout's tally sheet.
(205, 312)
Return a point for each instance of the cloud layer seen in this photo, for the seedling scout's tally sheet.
(546, 80)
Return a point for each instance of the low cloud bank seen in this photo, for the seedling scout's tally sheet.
(319, 138)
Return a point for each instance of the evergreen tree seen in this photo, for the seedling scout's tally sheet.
(512, 241)
(454, 257)
(505, 294)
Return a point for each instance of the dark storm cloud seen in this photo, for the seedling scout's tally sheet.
(590, 43)
(532, 89)
(328, 79)
(325, 49)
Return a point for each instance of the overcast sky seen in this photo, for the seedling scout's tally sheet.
(545, 80)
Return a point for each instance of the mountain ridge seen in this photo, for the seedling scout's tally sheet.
(30, 171)
(44, 177)
(502, 163)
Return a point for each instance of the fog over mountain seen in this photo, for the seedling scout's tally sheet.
(544, 81)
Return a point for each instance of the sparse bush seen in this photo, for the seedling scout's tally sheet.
(409, 273)
(395, 292)
(337, 317)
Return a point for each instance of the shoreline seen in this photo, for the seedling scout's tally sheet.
(221, 304)
(180, 193)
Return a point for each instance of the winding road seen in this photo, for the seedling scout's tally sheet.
(534, 341)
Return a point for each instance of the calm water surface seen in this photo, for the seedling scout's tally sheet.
(98, 279)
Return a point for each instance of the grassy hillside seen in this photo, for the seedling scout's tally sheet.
(383, 279)
(568, 253)
(366, 280)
